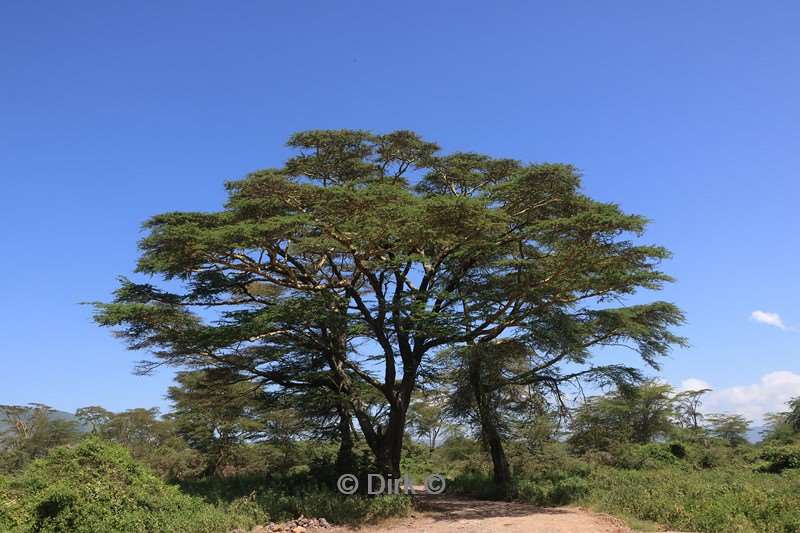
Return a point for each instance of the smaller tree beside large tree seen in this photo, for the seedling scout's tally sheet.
(631, 414)
(731, 429)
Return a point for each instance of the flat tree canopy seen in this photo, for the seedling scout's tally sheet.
(364, 255)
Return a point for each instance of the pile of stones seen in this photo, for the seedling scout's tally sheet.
(298, 525)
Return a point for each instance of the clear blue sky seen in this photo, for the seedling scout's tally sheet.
(111, 112)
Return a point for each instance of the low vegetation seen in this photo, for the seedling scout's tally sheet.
(97, 486)
(133, 471)
(721, 500)
(681, 493)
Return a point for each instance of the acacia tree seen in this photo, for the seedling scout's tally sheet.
(427, 416)
(729, 428)
(215, 411)
(94, 417)
(28, 432)
(408, 252)
(783, 426)
(638, 414)
(687, 409)
(793, 414)
(509, 382)
(484, 397)
(140, 430)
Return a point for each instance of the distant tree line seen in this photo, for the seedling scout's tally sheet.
(240, 432)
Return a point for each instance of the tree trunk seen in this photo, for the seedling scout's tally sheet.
(491, 435)
(385, 441)
(501, 470)
(389, 446)
(345, 458)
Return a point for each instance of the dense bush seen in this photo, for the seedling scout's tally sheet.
(720, 500)
(10, 512)
(455, 456)
(319, 503)
(673, 454)
(473, 483)
(97, 486)
(284, 497)
(560, 488)
(547, 492)
(776, 459)
(644, 456)
(709, 458)
(548, 477)
(551, 460)
(663, 483)
(349, 509)
(122, 483)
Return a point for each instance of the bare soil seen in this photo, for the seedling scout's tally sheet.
(440, 514)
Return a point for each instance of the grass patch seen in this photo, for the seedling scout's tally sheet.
(559, 488)
(720, 500)
(287, 497)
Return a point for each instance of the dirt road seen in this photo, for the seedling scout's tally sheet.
(446, 514)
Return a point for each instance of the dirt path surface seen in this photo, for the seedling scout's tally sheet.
(445, 514)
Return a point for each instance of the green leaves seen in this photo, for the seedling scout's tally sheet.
(97, 486)
(646, 326)
(632, 413)
(333, 157)
(466, 174)
(381, 240)
(730, 428)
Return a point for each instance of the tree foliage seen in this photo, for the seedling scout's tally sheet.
(215, 412)
(731, 429)
(687, 410)
(637, 414)
(27, 432)
(365, 254)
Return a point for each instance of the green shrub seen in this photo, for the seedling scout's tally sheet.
(678, 449)
(97, 486)
(547, 492)
(599, 457)
(642, 456)
(552, 461)
(476, 484)
(388, 506)
(556, 480)
(334, 507)
(340, 509)
(709, 458)
(286, 497)
(457, 454)
(779, 458)
(721, 500)
(9, 510)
